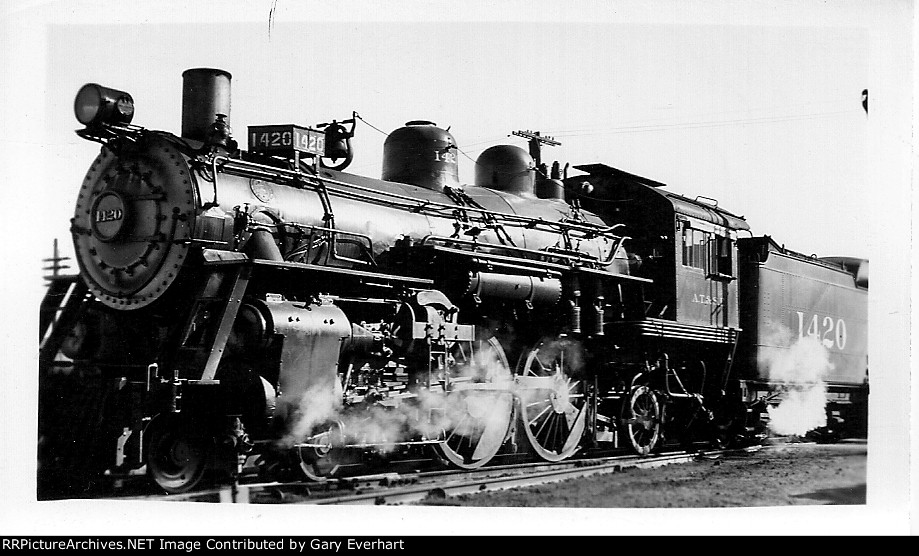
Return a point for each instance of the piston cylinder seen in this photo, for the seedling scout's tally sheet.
(205, 93)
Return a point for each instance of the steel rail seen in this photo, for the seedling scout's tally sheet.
(417, 493)
(396, 488)
(390, 488)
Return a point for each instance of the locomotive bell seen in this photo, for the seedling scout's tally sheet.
(338, 145)
(506, 168)
(421, 154)
(337, 141)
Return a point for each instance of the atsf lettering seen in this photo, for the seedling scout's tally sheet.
(706, 299)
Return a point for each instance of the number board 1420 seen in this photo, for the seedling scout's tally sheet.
(280, 139)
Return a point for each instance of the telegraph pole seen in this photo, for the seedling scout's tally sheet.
(536, 142)
(55, 266)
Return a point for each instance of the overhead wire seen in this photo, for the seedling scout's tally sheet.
(651, 127)
(697, 124)
(361, 118)
(686, 125)
(645, 127)
(810, 104)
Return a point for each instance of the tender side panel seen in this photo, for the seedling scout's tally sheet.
(789, 298)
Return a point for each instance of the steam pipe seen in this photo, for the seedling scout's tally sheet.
(665, 366)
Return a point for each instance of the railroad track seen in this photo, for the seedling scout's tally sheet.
(406, 488)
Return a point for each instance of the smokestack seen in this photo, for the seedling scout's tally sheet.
(205, 93)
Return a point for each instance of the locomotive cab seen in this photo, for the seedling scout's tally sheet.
(694, 266)
(689, 330)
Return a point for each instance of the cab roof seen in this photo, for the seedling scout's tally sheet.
(695, 208)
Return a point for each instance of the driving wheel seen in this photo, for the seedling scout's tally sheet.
(318, 457)
(553, 405)
(478, 404)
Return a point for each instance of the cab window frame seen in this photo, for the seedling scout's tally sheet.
(708, 251)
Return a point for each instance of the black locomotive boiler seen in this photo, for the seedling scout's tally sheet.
(263, 304)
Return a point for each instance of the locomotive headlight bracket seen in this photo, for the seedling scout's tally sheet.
(96, 106)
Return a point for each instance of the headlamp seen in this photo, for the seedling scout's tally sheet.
(96, 105)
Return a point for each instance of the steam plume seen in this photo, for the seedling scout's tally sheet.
(425, 414)
(800, 369)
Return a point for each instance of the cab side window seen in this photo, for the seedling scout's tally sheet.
(696, 248)
(722, 256)
(709, 252)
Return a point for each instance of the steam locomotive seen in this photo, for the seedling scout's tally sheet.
(263, 304)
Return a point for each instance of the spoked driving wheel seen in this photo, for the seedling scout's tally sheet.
(318, 456)
(553, 404)
(478, 403)
(176, 452)
(642, 419)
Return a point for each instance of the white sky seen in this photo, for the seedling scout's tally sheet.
(755, 104)
(711, 110)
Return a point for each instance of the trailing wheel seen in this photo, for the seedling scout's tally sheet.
(177, 452)
(478, 404)
(642, 419)
(552, 398)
